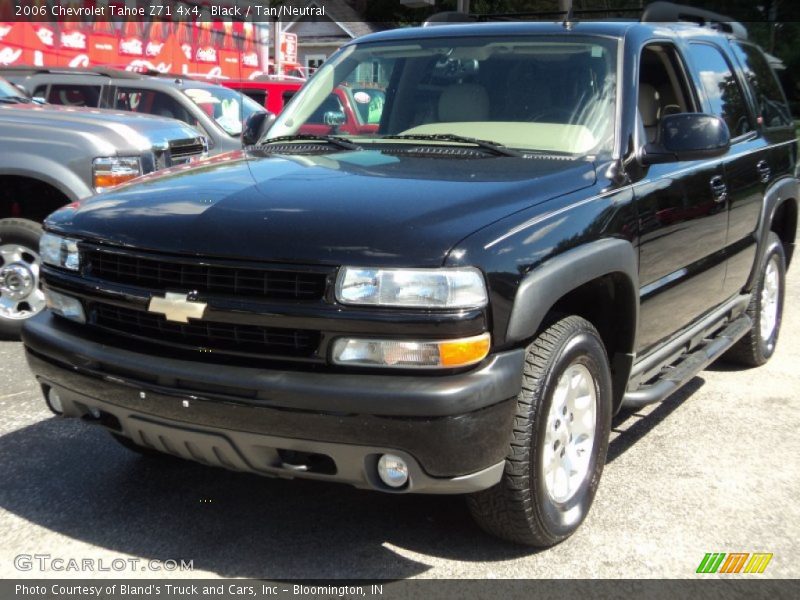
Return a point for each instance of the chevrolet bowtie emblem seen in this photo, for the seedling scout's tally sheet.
(177, 307)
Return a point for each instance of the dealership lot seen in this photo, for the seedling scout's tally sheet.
(713, 469)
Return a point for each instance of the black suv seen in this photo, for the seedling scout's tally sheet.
(551, 222)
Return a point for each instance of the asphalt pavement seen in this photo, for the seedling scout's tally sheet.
(712, 469)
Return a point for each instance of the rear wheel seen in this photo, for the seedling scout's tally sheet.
(765, 310)
(20, 294)
(559, 441)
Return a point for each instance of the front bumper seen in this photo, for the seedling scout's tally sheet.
(452, 430)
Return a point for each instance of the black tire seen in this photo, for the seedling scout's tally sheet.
(753, 350)
(24, 233)
(141, 450)
(519, 508)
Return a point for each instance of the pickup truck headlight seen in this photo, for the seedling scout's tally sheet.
(59, 252)
(405, 354)
(412, 288)
(108, 172)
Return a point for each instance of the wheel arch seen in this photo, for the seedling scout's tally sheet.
(784, 224)
(778, 214)
(15, 194)
(598, 281)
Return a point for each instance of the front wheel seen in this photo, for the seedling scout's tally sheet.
(20, 294)
(559, 442)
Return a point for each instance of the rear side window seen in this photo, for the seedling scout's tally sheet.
(721, 87)
(288, 96)
(259, 96)
(74, 95)
(772, 108)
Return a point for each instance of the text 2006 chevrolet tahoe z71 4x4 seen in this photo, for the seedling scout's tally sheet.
(423, 310)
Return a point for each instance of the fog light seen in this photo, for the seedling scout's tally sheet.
(54, 401)
(65, 306)
(393, 470)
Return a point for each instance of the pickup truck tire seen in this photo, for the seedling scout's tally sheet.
(765, 309)
(20, 294)
(564, 409)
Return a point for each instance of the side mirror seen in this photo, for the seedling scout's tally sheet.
(688, 136)
(256, 126)
(334, 118)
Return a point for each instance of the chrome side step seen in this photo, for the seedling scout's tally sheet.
(674, 376)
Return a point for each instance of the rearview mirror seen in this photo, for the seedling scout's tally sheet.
(256, 126)
(688, 136)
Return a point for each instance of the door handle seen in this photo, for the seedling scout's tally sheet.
(719, 189)
(764, 171)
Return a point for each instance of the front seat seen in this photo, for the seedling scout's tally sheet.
(464, 102)
(649, 110)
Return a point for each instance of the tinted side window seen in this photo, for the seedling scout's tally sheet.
(150, 102)
(288, 96)
(772, 106)
(722, 88)
(74, 95)
(259, 96)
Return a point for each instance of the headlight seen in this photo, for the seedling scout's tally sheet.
(111, 171)
(59, 251)
(404, 354)
(413, 288)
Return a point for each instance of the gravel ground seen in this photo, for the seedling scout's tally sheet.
(712, 469)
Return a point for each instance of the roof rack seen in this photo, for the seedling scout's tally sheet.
(32, 70)
(659, 12)
(655, 12)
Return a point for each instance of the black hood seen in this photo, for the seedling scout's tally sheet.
(362, 208)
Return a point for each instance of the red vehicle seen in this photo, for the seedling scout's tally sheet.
(349, 109)
(272, 93)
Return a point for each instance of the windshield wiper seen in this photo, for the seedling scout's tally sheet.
(333, 140)
(493, 147)
(15, 100)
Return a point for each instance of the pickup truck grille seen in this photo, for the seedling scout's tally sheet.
(182, 151)
(163, 274)
(205, 335)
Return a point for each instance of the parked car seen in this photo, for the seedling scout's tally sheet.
(54, 155)
(349, 109)
(269, 92)
(458, 302)
(217, 112)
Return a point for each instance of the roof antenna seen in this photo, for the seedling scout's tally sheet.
(565, 6)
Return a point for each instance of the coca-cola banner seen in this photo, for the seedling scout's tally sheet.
(187, 38)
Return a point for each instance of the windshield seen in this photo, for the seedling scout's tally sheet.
(546, 93)
(9, 91)
(227, 107)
